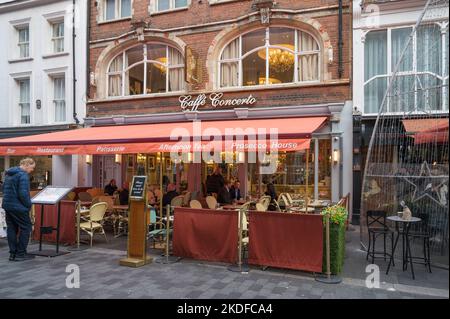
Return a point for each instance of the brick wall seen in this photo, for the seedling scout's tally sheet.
(200, 40)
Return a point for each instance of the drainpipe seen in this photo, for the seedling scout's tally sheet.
(74, 74)
(340, 42)
(88, 51)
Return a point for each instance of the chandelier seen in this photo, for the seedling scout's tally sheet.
(280, 60)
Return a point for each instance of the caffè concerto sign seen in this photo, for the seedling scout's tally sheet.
(190, 104)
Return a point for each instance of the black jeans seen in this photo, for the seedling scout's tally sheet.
(18, 230)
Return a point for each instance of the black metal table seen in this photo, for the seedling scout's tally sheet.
(406, 254)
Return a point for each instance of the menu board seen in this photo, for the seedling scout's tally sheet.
(51, 195)
(138, 187)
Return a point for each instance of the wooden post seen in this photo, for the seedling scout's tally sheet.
(137, 224)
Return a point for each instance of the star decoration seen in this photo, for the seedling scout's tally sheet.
(427, 185)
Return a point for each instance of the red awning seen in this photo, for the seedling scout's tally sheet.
(248, 135)
(427, 130)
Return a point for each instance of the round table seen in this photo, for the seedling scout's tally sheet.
(406, 225)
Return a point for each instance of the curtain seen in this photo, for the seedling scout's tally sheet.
(230, 70)
(24, 101)
(308, 64)
(402, 97)
(115, 76)
(429, 57)
(59, 99)
(176, 74)
(375, 55)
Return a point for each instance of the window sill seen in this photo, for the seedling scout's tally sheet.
(140, 96)
(20, 60)
(55, 55)
(168, 11)
(214, 2)
(113, 20)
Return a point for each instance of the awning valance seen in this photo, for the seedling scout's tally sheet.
(427, 130)
(245, 135)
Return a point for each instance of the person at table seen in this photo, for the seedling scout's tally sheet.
(17, 204)
(111, 187)
(270, 191)
(235, 191)
(123, 194)
(171, 194)
(215, 181)
(223, 196)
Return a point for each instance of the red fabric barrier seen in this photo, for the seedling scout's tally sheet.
(205, 234)
(286, 240)
(67, 234)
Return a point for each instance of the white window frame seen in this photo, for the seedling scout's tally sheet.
(117, 11)
(56, 101)
(296, 52)
(390, 67)
(25, 44)
(155, 6)
(145, 61)
(56, 39)
(21, 103)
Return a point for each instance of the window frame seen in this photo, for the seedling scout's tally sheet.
(296, 52)
(24, 43)
(21, 102)
(145, 62)
(63, 100)
(60, 38)
(117, 11)
(172, 6)
(413, 72)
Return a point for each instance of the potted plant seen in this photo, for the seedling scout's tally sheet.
(338, 216)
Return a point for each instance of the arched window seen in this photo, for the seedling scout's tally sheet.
(270, 56)
(146, 69)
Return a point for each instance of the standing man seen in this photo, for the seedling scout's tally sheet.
(215, 181)
(17, 205)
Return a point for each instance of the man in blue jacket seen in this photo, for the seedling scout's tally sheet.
(17, 205)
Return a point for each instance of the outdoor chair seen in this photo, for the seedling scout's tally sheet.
(260, 207)
(377, 226)
(177, 201)
(159, 228)
(294, 202)
(195, 204)
(186, 199)
(94, 220)
(211, 201)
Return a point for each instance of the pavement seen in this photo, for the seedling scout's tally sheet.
(101, 277)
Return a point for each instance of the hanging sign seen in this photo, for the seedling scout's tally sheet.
(190, 104)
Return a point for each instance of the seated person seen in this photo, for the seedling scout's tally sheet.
(123, 194)
(223, 197)
(171, 194)
(270, 191)
(111, 187)
(235, 191)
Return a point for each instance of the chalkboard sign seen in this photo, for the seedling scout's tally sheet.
(138, 187)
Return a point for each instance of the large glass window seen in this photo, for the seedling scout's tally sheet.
(421, 76)
(270, 56)
(146, 69)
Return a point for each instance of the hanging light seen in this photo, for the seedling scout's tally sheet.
(241, 157)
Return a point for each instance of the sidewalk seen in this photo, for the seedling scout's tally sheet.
(102, 277)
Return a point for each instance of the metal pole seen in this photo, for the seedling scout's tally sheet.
(328, 245)
(161, 159)
(167, 229)
(78, 223)
(307, 181)
(239, 267)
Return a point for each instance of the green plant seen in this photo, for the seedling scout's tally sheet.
(338, 214)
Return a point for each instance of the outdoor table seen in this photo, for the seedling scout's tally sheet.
(406, 224)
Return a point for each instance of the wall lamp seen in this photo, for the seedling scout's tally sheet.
(89, 159)
(118, 159)
(336, 156)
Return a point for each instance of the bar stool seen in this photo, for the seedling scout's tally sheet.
(376, 226)
(422, 233)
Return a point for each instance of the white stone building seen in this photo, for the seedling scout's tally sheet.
(43, 79)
